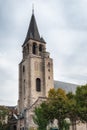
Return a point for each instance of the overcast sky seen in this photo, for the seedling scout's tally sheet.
(63, 25)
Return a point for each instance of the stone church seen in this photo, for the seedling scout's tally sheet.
(35, 76)
(35, 72)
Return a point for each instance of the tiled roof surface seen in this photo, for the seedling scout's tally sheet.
(68, 87)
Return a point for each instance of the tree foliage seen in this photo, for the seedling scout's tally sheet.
(58, 100)
(60, 106)
(72, 109)
(3, 113)
(81, 98)
(41, 116)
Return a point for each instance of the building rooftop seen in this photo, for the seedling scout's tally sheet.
(68, 87)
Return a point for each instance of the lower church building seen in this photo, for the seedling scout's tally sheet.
(35, 76)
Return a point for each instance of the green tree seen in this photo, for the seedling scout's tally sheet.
(72, 109)
(65, 125)
(1, 126)
(81, 98)
(41, 116)
(58, 101)
(3, 113)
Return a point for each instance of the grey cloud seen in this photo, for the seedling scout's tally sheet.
(76, 78)
(4, 75)
(74, 14)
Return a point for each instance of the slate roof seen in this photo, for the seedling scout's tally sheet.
(68, 87)
(33, 32)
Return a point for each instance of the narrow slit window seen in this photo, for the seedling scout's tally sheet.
(38, 85)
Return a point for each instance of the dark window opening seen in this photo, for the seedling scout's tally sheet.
(38, 85)
(48, 64)
(14, 127)
(34, 48)
(49, 70)
(49, 77)
(40, 48)
(23, 68)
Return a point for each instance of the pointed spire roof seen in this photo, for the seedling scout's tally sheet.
(33, 32)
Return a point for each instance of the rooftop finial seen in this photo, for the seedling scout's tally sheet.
(32, 8)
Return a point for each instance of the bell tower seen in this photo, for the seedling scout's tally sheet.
(35, 69)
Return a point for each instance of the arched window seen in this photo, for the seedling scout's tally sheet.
(40, 48)
(34, 48)
(38, 85)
